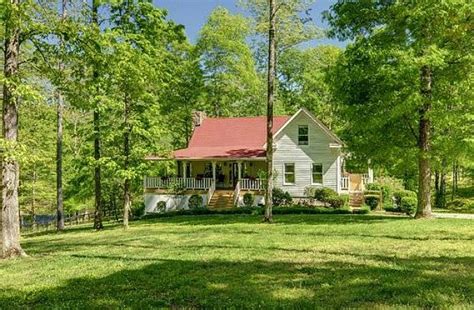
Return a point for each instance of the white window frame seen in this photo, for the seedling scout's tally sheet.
(285, 173)
(298, 135)
(312, 174)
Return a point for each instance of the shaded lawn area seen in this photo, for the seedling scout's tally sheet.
(302, 261)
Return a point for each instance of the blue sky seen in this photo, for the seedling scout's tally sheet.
(193, 14)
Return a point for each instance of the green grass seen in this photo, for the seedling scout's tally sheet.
(301, 261)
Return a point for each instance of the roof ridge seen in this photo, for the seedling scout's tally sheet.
(240, 117)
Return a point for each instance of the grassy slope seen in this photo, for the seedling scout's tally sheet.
(326, 261)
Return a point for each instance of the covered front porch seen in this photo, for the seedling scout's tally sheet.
(213, 174)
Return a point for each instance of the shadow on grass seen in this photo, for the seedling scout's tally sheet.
(221, 284)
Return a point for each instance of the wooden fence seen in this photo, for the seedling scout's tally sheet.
(70, 219)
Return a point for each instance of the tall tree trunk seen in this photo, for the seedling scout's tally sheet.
(424, 140)
(33, 198)
(268, 217)
(98, 225)
(126, 150)
(442, 186)
(59, 143)
(10, 218)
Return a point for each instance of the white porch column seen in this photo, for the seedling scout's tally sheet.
(371, 175)
(214, 171)
(185, 166)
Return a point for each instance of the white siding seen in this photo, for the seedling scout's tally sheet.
(318, 151)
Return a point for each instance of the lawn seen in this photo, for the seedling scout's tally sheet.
(301, 261)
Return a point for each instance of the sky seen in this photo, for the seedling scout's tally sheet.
(193, 14)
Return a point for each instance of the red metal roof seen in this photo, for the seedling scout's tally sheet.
(236, 137)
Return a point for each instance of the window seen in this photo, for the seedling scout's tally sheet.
(317, 174)
(303, 137)
(289, 174)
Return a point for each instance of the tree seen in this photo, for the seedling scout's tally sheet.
(270, 99)
(97, 141)
(398, 75)
(183, 96)
(10, 168)
(304, 83)
(294, 23)
(231, 82)
(59, 142)
(287, 23)
(140, 40)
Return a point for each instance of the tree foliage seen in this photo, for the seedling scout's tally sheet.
(400, 81)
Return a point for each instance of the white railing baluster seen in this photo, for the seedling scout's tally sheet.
(249, 184)
(188, 183)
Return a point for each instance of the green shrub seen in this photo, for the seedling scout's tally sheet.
(408, 204)
(160, 207)
(335, 201)
(346, 198)
(195, 201)
(462, 205)
(373, 187)
(386, 190)
(248, 200)
(251, 211)
(372, 201)
(138, 209)
(363, 210)
(398, 195)
(309, 191)
(391, 208)
(280, 197)
(323, 194)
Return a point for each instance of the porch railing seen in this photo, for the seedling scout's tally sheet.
(345, 181)
(211, 191)
(251, 184)
(236, 194)
(188, 183)
(365, 178)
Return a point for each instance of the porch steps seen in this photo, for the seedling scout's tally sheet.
(356, 199)
(222, 199)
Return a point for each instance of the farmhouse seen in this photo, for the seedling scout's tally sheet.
(225, 158)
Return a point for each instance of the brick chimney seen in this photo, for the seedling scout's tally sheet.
(198, 117)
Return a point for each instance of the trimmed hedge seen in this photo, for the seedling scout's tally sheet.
(195, 201)
(254, 211)
(372, 201)
(391, 208)
(280, 197)
(323, 194)
(363, 210)
(398, 195)
(161, 206)
(138, 209)
(248, 200)
(336, 202)
(408, 204)
(327, 196)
